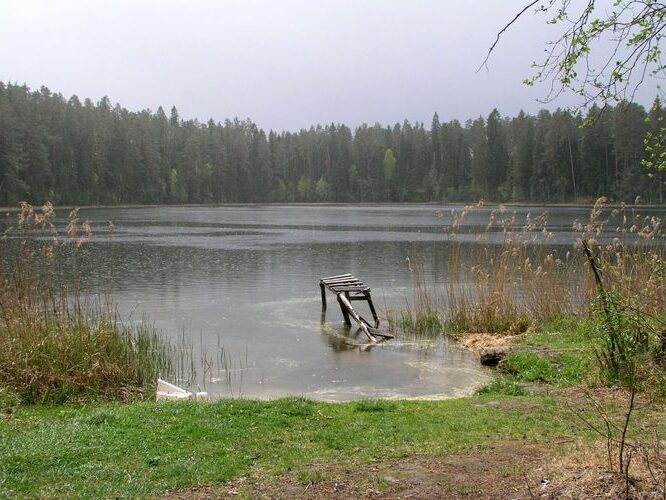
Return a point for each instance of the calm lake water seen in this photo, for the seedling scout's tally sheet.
(241, 284)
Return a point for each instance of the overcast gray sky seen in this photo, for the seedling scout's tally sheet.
(284, 64)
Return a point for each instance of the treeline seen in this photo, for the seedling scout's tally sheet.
(66, 151)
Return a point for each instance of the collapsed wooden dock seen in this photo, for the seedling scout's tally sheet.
(348, 288)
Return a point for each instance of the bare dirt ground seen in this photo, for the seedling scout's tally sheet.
(483, 342)
(514, 470)
(489, 473)
(564, 469)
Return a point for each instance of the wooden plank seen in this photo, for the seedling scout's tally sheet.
(332, 286)
(344, 283)
(350, 288)
(345, 280)
(335, 286)
(338, 276)
(374, 331)
(358, 297)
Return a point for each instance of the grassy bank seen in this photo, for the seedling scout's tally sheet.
(148, 448)
(559, 354)
(520, 429)
(488, 445)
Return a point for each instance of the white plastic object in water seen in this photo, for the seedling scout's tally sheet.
(170, 392)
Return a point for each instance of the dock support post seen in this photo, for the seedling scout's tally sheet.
(372, 309)
(345, 312)
(323, 296)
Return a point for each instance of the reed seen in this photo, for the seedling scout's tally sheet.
(56, 345)
(515, 274)
(423, 316)
(509, 280)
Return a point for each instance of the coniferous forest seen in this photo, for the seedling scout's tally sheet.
(73, 152)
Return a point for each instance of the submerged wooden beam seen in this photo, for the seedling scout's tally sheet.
(350, 310)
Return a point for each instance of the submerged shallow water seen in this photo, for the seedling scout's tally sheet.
(240, 284)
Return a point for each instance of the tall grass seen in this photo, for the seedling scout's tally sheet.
(55, 345)
(509, 281)
(422, 317)
(515, 274)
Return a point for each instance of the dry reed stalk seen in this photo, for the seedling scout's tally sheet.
(54, 344)
(513, 274)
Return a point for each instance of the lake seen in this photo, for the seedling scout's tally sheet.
(240, 284)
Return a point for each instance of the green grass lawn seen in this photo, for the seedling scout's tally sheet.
(148, 448)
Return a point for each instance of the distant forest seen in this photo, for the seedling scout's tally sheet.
(73, 152)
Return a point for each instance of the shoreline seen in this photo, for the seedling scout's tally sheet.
(610, 205)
